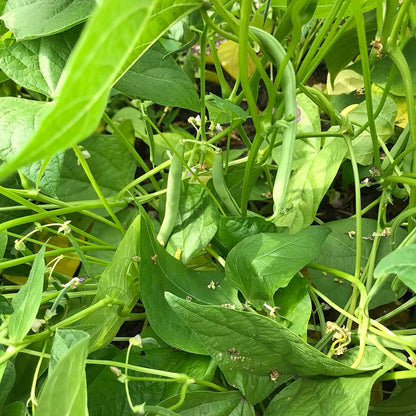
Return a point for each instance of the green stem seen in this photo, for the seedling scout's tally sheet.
(362, 43)
(97, 189)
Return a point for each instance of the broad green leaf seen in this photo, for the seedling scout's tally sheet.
(27, 301)
(38, 64)
(382, 69)
(19, 118)
(346, 48)
(16, 409)
(263, 263)
(35, 18)
(159, 78)
(209, 403)
(65, 390)
(322, 396)
(362, 145)
(294, 305)
(48, 183)
(246, 345)
(160, 272)
(7, 379)
(63, 341)
(196, 224)
(338, 251)
(223, 112)
(135, 116)
(401, 403)
(106, 395)
(110, 162)
(5, 307)
(165, 14)
(120, 281)
(232, 230)
(234, 182)
(92, 68)
(310, 182)
(401, 262)
(110, 235)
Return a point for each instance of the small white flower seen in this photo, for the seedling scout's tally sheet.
(19, 245)
(37, 323)
(65, 228)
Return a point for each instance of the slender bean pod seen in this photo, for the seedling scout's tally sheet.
(220, 186)
(173, 194)
(276, 53)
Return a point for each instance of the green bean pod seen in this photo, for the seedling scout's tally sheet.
(274, 50)
(173, 194)
(220, 186)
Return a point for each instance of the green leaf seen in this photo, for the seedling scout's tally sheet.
(263, 263)
(35, 18)
(232, 230)
(401, 262)
(119, 280)
(38, 64)
(92, 68)
(49, 181)
(362, 145)
(110, 235)
(209, 403)
(5, 307)
(346, 48)
(19, 118)
(294, 305)
(382, 68)
(401, 403)
(223, 112)
(249, 347)
(27, 301)
(106, 395)
(338, 251)
(322, 396)
(159, 78)
(63, 341)
(310, 182)
(196, 224)
(160, 272)
(16, 409)
(110, 162)
(65, 390)
(7, 379)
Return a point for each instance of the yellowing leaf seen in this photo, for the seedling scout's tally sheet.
(18, 280)
(228, 56)
(65, 266)
(345, 82)
(402, 116)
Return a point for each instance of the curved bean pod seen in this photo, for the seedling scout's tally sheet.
(274, 50)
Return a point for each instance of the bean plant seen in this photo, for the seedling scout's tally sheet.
(207, 207)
